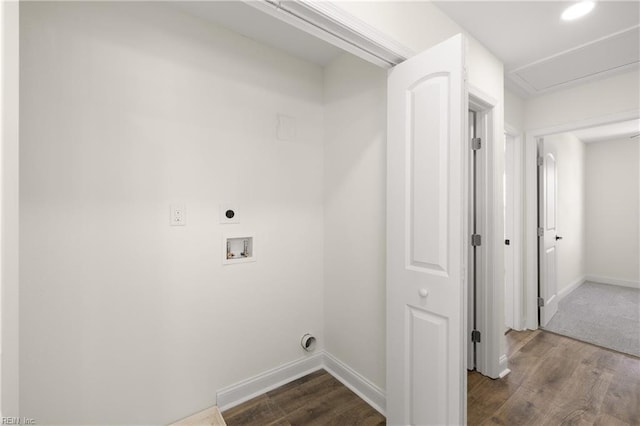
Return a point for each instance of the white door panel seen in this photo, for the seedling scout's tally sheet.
(427, 105)
(548, 242)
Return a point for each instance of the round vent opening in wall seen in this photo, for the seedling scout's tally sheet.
(229, 213)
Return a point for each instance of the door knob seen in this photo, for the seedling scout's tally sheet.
(558, 238)
(423, 292)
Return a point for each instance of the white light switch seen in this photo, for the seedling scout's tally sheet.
(178, 215)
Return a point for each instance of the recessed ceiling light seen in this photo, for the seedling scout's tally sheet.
(578, 10)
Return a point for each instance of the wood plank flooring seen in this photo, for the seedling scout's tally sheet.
(554, 380)
(316, 399)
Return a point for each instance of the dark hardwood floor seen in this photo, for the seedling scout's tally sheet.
(316, 399)
(554, 380)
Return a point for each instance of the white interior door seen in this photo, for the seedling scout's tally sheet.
(548, 205)
(426, 238)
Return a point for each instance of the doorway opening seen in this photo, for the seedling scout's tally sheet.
(534, 270)
(476, 164)
(485, 248)
(588, 280)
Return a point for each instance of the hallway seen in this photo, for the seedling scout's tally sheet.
(557, 380)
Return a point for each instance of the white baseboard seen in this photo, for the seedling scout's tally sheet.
(504, 366)
(362, 387)
(613, 281)
(568, 289)
(238, 393)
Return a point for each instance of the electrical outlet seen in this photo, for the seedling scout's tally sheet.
(178, 215)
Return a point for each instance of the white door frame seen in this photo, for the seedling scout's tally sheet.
(531, 203)
(372, 45)
(517, 239)
(490, 360)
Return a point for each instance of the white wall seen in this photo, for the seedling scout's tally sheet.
(570, 157)
(607, 97)
(613, 211)
(9, 148)
(132, 109)
(355, 215)
(514, 111)
(418, 26)
(126, 108)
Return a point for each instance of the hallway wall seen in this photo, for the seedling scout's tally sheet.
(613, 95)
(613, 211)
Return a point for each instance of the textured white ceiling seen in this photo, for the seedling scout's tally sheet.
(540, 51)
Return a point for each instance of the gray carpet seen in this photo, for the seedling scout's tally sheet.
(606, 315)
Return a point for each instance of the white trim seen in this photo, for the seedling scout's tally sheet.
(530, 90)
(247, 389)
(613, 281)
(586, 123)
(480, 100)
(568, 289)
(335, 26)
(504, 369)
(518, 238)
(490, 291)
(362, 387)
(359, 32)
(240, 392)
(531, 203)
(574, 49)
(511, 130)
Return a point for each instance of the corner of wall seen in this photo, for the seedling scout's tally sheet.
(9, 161)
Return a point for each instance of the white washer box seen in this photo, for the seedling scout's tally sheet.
(238, 249)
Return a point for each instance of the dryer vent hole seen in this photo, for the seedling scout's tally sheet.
(308, 342)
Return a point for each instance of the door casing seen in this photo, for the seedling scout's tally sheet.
(531, 203)
(516, 237)
(490, 359)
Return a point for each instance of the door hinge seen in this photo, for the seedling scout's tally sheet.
(476, 143)
(540, 302)
(540, 232)
(475, 336)
(476, 240)
(540, 161)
